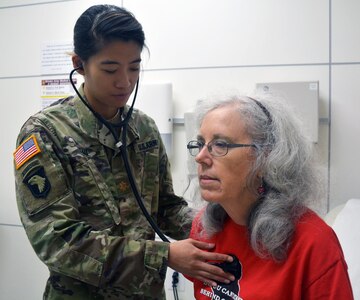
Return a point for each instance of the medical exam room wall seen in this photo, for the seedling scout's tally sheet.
(200, 47)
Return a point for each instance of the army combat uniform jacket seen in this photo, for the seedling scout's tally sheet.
(79, 212)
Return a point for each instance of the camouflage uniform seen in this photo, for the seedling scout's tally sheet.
(80, 214)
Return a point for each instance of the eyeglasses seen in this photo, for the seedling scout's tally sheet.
(215, 147)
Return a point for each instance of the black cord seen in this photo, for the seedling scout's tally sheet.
(175, 281)
(122, 146)
(135, 189)
(109, 125)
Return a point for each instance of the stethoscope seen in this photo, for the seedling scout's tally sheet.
(121, 145)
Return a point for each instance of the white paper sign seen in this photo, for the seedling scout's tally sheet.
(56, 58)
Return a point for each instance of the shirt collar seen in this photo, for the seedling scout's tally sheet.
(94, 128)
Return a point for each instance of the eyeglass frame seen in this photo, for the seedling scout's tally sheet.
(200, 146)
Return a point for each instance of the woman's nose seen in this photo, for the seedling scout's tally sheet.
(203, 156)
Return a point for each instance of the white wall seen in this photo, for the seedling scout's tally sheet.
(200, 47)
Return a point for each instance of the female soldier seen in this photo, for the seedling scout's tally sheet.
(257, 173)
(73, 193)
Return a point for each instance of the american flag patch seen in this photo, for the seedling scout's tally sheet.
(25, 151)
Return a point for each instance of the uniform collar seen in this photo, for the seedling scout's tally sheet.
(94, 128)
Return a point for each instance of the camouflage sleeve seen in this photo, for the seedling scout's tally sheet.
(175, 216)
(62, 239)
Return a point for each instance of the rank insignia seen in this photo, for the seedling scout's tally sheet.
(25, 151)
(123, 186)
(38, 183)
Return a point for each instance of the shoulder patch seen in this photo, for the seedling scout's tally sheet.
(25, 151)
(38, 183)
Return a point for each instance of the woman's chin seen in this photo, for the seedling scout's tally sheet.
(209, 196)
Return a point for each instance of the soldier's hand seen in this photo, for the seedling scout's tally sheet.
(187, 257)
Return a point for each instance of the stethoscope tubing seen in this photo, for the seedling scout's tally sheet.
(121, 144)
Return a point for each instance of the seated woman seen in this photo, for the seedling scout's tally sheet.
(258, 174)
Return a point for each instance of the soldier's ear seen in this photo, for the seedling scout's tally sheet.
(78, 64)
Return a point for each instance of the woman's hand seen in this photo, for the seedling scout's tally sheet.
(187, 257)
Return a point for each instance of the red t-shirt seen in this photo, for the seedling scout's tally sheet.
(314, 269)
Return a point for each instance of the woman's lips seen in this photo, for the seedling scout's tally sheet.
(207, 180)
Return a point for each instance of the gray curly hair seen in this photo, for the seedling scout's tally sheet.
(286, 159)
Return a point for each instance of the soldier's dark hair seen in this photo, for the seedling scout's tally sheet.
(102, 24)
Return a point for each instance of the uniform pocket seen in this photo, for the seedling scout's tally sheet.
(150, 180)
(96, 200)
